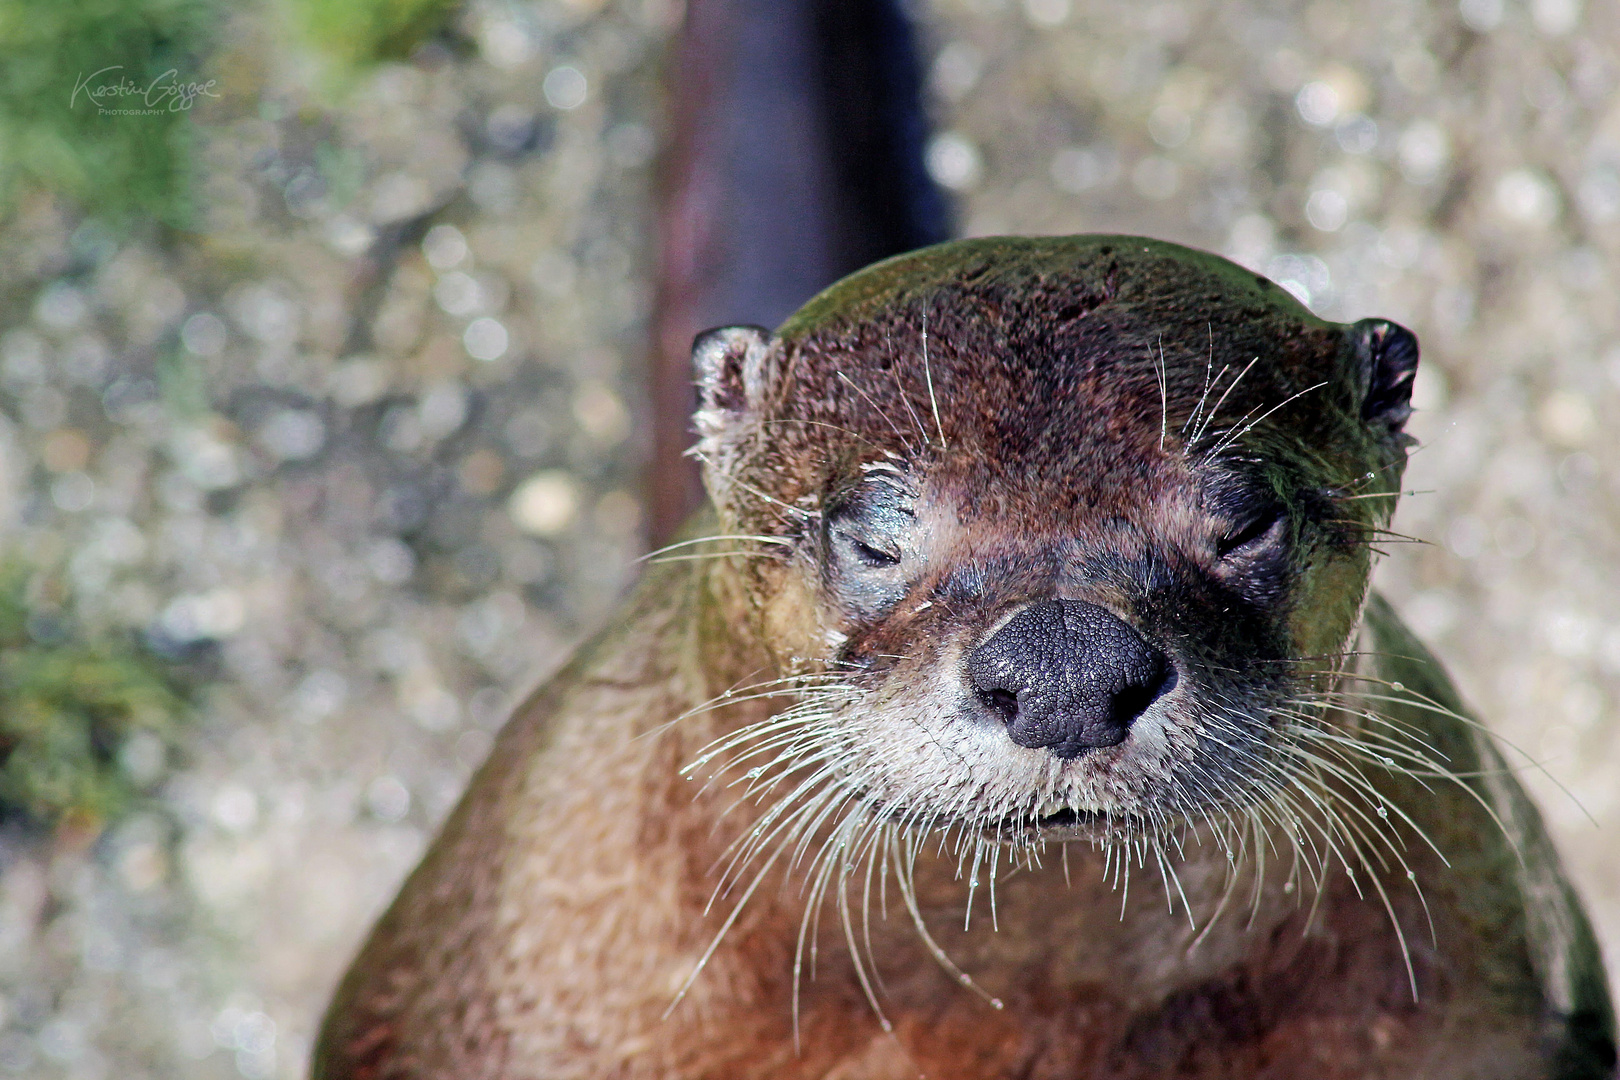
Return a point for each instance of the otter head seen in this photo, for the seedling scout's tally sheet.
(1060, 535)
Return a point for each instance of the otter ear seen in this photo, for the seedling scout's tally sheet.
(729, 363)
(1387, 359)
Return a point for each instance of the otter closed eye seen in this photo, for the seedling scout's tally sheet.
(1267, 527)
(871, 556)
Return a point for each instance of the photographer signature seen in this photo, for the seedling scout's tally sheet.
(166, 93)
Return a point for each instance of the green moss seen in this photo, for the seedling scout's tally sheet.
(354, 33)
(67, 708)
(67, 73)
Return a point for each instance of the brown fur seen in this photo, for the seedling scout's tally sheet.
(568, 899)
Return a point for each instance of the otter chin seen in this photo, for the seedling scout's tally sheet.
(1018, 708)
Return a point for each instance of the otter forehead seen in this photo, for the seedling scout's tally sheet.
(1049, 380)
(1064, 366)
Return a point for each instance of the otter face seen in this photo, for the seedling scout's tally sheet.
(1068, 536)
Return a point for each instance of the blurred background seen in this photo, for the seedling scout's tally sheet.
(323, 411)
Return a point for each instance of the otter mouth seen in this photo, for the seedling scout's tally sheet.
(1059, 823)
(1070, 818)
(1067, 822)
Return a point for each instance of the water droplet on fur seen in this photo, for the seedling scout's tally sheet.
(1411, 875)
(1288, 887)
(1389, 761)
(1383, 812)
(973, 882)
(756, 773)
(1397, 687)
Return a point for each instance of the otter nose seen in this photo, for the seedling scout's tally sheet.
(1068, 676)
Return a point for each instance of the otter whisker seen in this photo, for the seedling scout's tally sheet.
(820, 761)
(782, 819)
(1399, 464)
(973, 882)
(1163, 377)
(767, 831)
(1387, 494)
(874, 844)
(812, 912)
(725, 927)
(905, 397)
(805, 687)
(758, 537)
(1233, 434)
(1215, 411)
(1220, 906)
(1359, 848)
(883, 874)
(875, 407)
(906, 882)
(1377, 748)
(1315, 856)
(861, 974)
(841, 429)
(1273, 804)
(846, 792)
(1209, 368)
(1125, 868)
(771, 500)
(995, 855)
(825, 760)
(699, 557)
(817, 875)
(1283, 810)
(1373, 798)
(1441, 771)
(1384, 832)
(841, 855)
(1168, 874)
(787, 740)
(1392, 727)
(782, 734)
(928, 376)
(1422, 702)
(798, 684)
(1387, 534)
(1262, 841)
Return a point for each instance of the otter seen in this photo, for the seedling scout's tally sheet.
(1019, 708)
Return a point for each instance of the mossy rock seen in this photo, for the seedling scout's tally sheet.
(68, 708)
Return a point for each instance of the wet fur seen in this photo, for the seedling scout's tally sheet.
(623, 892)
